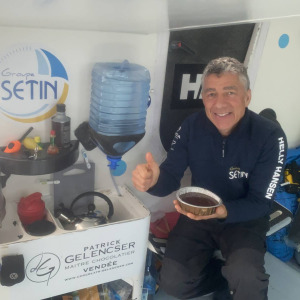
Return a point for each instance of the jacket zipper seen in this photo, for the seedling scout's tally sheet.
(223, 148)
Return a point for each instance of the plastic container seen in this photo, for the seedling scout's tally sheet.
(120, 92)
(31, 208)
(61, 124)
(118, 108)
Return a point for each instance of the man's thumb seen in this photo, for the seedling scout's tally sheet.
(149, 158)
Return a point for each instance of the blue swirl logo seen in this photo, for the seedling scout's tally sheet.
(32, 82)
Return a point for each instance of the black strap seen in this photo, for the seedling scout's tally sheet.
(92, 193)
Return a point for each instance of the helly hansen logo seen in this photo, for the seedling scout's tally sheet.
(186, 92)
(193, 87)
(278, 170)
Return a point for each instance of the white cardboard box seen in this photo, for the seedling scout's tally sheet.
(66, 261)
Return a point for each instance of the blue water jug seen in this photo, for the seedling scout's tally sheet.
(118, 108)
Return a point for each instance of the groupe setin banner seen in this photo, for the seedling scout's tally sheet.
(32, 81)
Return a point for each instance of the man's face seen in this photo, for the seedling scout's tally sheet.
(225, 99)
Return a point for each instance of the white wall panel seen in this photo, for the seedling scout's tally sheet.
(78, 51)
(277, 82)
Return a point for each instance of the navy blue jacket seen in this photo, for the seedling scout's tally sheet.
(243, 169)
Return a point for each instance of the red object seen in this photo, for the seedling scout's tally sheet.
(52, 149)
(162, 227)
(31, 208)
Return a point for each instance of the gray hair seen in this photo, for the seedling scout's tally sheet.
(222, 65)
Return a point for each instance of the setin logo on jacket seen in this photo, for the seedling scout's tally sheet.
(235, 173)
(32, 82)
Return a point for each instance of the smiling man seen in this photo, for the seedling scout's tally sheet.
(237, 155)
(225, 98)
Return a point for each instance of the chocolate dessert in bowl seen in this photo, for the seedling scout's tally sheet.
(198, 201)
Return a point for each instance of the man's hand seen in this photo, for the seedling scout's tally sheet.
(220, 213)
(144, 176)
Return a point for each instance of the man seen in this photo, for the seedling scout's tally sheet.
(237, 155)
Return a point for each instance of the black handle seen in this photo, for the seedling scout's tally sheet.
(25, 134)
(92, 193)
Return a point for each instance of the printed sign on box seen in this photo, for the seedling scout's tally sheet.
(67, 262)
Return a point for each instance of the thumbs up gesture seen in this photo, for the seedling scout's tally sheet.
(144, 176)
